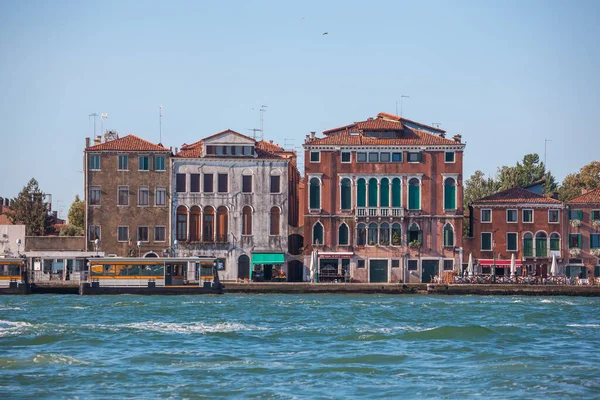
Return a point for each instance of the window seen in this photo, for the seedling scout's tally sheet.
(275, 184)
(315, 156)
(397, 157)
(448, 235)
(553, 216)
(143, 234)
(346, 156)
(361, 234)
(595, 215)
(123, 233)
(159, 163)
(346, 194)
(395, 263)
(123, 163)
(486, 241)
(181, 224)
(414, 234)
(361, 193)
(95, 162)
(575, 214)
(511, 241)
(512, 216)
(317, 234)
(160, 234)
(222, 224)
(247, 184)
(372, 234)
(247, 220)
(208, 224)
(315, 194)
(94, 195)
(343, 236)
(486, 215)
(373, 157)
(554, 241)
(594, 241)
(528, 244)
(575, 240)
(360, 263)
(143, 163)
(414, 194)
(396, 234)
(160, 199)
(384, 193)
(123, 196)
(248, 150)
(527, 216)
(384, 157)
(384, 234)
(450, 194)
(194, 183)
(208, 183)
(396, 192)
(372, 192)
(449, 157)
(143, 196)
(415, 157)
(274, 221)
(361, 157)
(180, 183)
(448, 265)
(222, 183)
(94, 233)
(219, 150)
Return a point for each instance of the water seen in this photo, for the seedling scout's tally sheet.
(299, 346)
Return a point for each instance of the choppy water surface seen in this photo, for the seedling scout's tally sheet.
(286, 346)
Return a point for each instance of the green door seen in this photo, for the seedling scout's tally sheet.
(430, 268)
(378, 270)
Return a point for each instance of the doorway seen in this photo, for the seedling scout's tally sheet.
(430, 268)
(244, 267)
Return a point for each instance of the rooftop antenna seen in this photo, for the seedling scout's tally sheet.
(103, 116)
(254, 130)
(286, 141)
(436, 124)
(262, 121)
(160, 115)
(94, 115)
(401, 101)
(545, 143)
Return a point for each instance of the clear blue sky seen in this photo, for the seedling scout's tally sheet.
(506, 75)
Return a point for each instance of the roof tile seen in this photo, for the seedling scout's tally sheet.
(127, 143)
(516, 195)
(589, 197)
(410, 137)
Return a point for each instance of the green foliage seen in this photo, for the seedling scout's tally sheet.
(478, 186)
(588, 178)
(77, 214)
(72, 230)
(28, 209)
(525, 173)
(415, 244)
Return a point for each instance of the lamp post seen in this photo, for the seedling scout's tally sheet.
(19, 247)
(96, 243)
(494, 266)
(175, 243)
(139, 245)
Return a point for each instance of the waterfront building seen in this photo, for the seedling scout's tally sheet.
(584, 235)
(515, 222)
(127, 196)
(383, 201)
(235, 199)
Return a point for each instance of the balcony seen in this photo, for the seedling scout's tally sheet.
(397, 212)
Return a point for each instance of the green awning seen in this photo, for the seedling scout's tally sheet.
(268, 258)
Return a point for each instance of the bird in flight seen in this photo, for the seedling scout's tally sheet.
(325, 33)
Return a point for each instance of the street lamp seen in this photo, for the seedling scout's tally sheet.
(96, 243)
(139, 245)
(175, 243)
(19, 247)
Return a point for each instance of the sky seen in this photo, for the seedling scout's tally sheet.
(507, 75)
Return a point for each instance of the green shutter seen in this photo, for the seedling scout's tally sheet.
(580, 215)
(596, 271)
(421, 238)
(384, 193)
(361, 193)
(568, 271)
(579, 239)
(419, 156)
(396, 193)
(372, 192)
(413, 197)
(450, 197)
(343, 237)
(346, 194)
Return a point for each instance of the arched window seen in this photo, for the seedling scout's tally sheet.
(274, 221)
(528, 244)
(208, 224)
(343, 239)
(541, 244)
(181, 224)
(396, 234)
(414, 194)
(361, 234)
(384, 193)
(346, 194)
(361, 193)
(396, 192)
(372, 234)
(449, 194)
(315, 194)
(317, 234)
(448, 235)
(372, 192)
(194, 224)
(384, 234)
(247, 220)
(554, 241)
(222, 224)
(415, 234)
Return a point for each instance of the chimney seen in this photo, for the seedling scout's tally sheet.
(176, 150)
(443, 135)
(270, 141)
(87, 142)
(457, 138)
(312, 134)
(98, 140)
(555, 195)
(6, 202)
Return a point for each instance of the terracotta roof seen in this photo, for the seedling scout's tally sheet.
(264, 150)
(592, 196)
(4, 220)
(410, 137)
(269, 146)
(517, 195)
(383, 122)
(190, 150)
(127, 143)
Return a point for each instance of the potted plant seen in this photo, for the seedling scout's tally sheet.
(396, 239)
(595, 252)
(575, 252)
(596, 223)
(575, 223)
(414, 244)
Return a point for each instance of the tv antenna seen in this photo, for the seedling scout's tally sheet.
(254, 130)
(286, 141)
(263, 109)
(94, 115)
(402, 97)
(160, 115)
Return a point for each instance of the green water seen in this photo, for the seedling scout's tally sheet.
(299, 346)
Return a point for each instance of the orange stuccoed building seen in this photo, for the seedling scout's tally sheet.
(383, 202)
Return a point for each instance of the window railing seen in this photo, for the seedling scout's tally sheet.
(380, 212)
(541, 252)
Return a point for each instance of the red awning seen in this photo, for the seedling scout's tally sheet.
(499, 262)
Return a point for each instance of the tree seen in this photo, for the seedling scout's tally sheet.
(476, 187)
(522, 175)
(28, 209)
(77, 213)
(72, 230)
(588, 178)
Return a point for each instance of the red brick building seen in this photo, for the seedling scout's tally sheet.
(383, 201)
(520, 222)
(584, 235)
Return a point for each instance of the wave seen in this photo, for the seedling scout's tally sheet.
(51, 358)
(584, 325)
(193, 327)
(8, 308)
(450, 332)
(13, 327)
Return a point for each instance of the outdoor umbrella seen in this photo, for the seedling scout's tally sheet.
(554, 267)
(470, 265)
(313, 265)
(513, 265)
